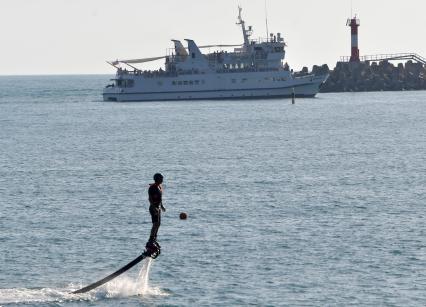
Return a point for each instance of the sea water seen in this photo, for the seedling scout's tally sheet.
(321, 203)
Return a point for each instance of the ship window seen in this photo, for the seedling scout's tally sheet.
(191, 82)
(174, 82)
(193, 55)
(179, 82)
(160, 83)
(185, 82)
(279, 49)
(125, 83)
(243, 80)
(233, 80)
(197, 82)
(203, 81)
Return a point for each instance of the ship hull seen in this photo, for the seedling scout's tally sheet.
(307, 86)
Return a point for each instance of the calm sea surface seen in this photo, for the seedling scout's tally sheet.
(321, 203)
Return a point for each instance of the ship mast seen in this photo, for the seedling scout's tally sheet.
(246, 33)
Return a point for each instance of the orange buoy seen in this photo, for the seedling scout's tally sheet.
(183, 216)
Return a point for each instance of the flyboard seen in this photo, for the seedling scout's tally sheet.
(152, 250)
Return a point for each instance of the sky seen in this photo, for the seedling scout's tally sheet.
(79, 36)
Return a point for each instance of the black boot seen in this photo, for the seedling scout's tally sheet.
(154, 242)
(152, 249)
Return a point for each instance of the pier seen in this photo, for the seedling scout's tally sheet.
(376, 75)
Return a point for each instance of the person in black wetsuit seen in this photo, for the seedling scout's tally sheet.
(155, 193)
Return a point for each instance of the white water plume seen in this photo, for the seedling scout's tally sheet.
(123, 286)
(126, 286)
(143, 277)
(23, 295)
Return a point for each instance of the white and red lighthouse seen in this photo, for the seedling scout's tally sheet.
(354, 24)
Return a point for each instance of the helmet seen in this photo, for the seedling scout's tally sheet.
(158, 178)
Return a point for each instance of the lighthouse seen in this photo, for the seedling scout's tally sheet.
(354, 24)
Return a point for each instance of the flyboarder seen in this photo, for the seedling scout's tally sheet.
(152, 248)
(155, 193)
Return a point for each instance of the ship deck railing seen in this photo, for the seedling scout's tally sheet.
(162, 73)
(147, 73)
(246, 69)
(261, 40)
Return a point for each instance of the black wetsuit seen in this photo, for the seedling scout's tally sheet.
(155, 194)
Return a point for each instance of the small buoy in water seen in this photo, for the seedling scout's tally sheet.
(183, 216)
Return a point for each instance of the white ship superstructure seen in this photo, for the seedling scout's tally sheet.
(253, 69)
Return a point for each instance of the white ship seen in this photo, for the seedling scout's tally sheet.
(254, 69)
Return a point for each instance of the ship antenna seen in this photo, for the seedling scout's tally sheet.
(266, 19)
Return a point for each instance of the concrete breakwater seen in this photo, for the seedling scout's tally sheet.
(364, 77)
